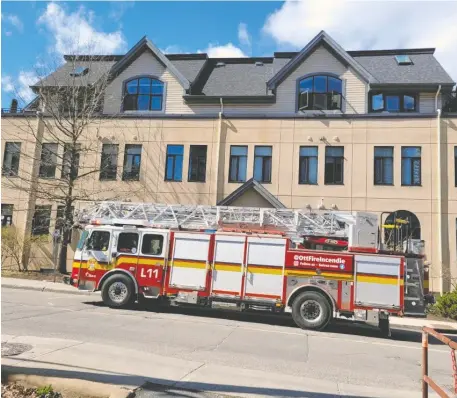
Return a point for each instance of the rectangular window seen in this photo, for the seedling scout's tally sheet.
(307, 173)
(70, 158)
(197, 163)
(48, 162)
(152, 245)
(132, 162)
(173, 165)
(7, 215)
(262, 163)
(391, 102)
(127, 243)
(60, 217)
(411, 173)
(108, 164)
(334, 165)
(98, 241)
(238, 163)
(11, 159)
(41, 220)
(383, 165)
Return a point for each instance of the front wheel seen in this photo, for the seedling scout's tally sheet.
(118, 291)
(311, 310)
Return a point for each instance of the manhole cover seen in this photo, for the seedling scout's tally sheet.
(11, 349)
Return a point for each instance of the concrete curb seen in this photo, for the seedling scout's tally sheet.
(50, 289)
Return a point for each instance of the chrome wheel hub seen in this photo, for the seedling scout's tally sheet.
(117, 292)
(311, 311)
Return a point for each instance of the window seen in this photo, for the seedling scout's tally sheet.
(307, 173)
(132, 162)
(11, 159)
(98, 241)
(391, 102)
(70, 159)
(334, 165)
(320, 92)
(238, 163)
(144, 94)
(127, 243)
(41, 220)
(383, 165)
(411, 174)
(48, 161)
(197, 163)
(79, 71)
(152, 245)
(262, 163)
(403, 59)
(173, 166)
(108, 164)
(7, 215)
(60, 217)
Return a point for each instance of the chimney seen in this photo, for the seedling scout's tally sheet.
(13, 108)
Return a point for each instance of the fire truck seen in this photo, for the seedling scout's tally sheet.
(241, 258)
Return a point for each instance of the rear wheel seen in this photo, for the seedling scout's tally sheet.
(311, 310)
(118, 291)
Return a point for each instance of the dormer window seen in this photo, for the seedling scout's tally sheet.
(403, 59)
(79, 71)
(143, 94)
(392, 102)
(320, 92)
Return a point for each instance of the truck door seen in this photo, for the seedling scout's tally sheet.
(151, 262)
(125, 250)
(95, 258)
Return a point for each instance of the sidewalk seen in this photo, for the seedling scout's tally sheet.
(46, 286)
(129, 369)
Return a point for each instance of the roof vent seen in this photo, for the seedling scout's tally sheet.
(220, 64)
(258, 63)
(79, 71)
(403, 59)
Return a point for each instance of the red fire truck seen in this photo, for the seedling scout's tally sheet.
(240, 258)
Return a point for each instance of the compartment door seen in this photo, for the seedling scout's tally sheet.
(378, 281)
(189, 265)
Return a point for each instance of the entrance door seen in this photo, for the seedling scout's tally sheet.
(151, 262)
(125, 250)
(228, 265)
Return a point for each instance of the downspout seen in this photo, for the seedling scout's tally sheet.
(218, 148)
(440, 205)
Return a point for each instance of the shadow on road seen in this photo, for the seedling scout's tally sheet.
(337, 327)
(166, 387)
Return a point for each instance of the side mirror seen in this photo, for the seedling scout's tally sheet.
(114, 254)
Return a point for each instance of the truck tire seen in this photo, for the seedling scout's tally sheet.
(118, 291)
(311, 310)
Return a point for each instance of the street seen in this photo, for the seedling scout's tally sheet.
(345, 355)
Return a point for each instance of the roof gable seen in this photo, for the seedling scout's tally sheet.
(321, 39)
(139, 48)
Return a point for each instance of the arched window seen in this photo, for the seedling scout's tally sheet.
(400, 226)
(323, 92)
(143, 94)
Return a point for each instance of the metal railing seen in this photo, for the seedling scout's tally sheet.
(426, 379)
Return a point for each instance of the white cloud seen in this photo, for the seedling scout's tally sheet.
(243, 34)
(13, 20)
(20, 88)
(7, 84)
(360, 25)
(74, 32)
(119, 8)
(172, 49)
(225, 51)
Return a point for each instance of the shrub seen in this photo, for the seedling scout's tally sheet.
(446, 305)
(45, 391)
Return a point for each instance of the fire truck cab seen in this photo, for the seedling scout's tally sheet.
(241, 269)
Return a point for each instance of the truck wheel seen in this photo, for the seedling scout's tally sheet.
(118, 291)
(311, 310)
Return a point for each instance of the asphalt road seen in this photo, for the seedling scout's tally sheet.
(344, 353)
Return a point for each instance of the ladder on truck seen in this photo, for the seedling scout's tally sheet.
(293, 223)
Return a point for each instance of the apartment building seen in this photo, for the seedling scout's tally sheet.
(323, 128)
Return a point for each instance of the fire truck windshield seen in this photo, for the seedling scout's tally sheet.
(99, 241)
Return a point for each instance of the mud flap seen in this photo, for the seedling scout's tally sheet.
(384, 325)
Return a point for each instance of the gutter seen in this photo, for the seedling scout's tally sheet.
(218, 147)
(440, 205)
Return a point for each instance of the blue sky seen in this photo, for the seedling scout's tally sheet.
(33, 33)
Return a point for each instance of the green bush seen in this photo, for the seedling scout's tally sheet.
(45, 391)
(446, 305)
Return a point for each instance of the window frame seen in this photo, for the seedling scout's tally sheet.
(174, 156)
(103, 175)
(7, 210)
(132, 176)
(401, 95)
(51, 166)
(66, 168)
(137, 243)
(152, 234)
(335, 158)
(327, 75)
(199, 177)
(302, 181)
(412, 168)
(382, 158)
(264, 158)
(237, 158)
(44, 229)
(10, 172)
(85, 246)
(151, 95)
